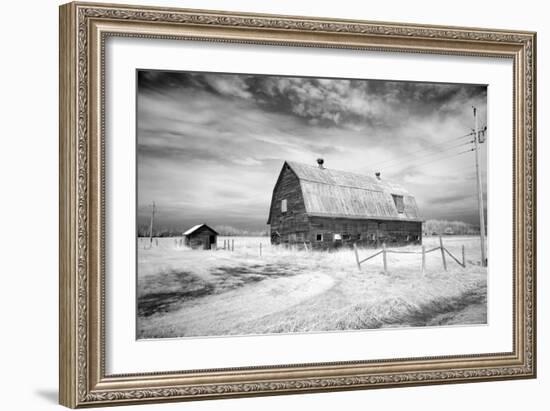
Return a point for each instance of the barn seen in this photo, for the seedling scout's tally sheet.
(201, 236)
(328, 208)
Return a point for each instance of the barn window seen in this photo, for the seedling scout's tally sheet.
(337, 237)
(398, 200)
(283, 206)
(319, 237)
(346, 237)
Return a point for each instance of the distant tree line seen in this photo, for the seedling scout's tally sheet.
(227, 230)
(223, 230)
(429, 227)
(437, 227)
(143, 231)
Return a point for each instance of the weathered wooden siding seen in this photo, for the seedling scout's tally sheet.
(365, 233)
(200, 239)
(292, 225)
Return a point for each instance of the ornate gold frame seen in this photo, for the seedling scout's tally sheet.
(83, 30)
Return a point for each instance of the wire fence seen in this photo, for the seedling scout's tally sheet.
(385, 251)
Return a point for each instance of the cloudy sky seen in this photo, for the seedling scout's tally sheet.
(210, 146)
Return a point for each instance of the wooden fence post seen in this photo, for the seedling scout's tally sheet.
(385, 258)
(423, 259)
(305, 247)
(356, 256)
(442, 253)
(260, 249)
(463, 256)
(232, 244)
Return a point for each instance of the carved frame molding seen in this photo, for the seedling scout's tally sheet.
(84, 27)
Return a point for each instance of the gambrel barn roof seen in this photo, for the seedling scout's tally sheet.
(341, 194)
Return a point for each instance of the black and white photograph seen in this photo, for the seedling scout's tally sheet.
(271, 204)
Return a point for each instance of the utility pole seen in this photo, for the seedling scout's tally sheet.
(479, 192)
(151, 226)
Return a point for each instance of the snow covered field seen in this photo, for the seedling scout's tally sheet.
(183, 292)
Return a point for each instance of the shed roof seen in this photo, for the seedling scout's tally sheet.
(336, 193)
(197, 227)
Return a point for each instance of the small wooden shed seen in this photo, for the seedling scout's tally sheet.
(201, 236)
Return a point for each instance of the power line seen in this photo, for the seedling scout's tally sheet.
(415, 160)
(431, 161)
(451, 140)
(467, 168)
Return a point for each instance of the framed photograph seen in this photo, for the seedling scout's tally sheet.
(259, 204)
